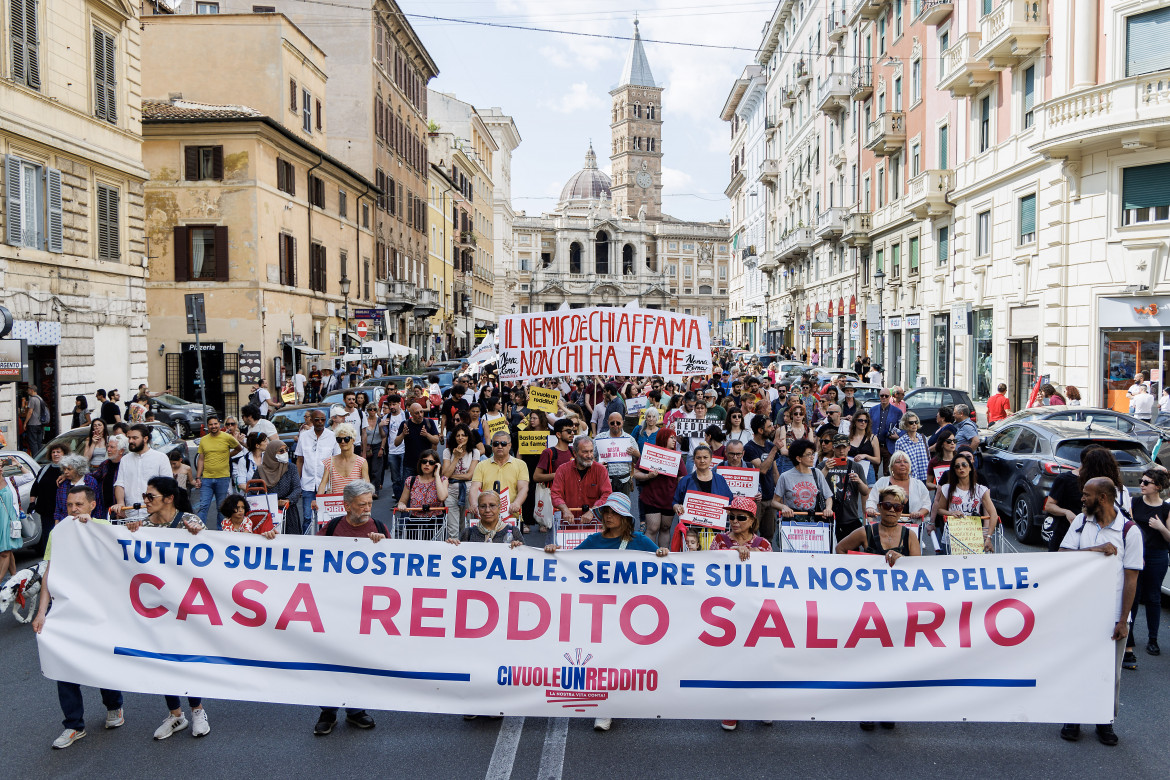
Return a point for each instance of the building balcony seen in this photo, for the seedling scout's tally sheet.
(466, 238)
(1121, 115)
(788, 97)
(768, 262)
(399, 296)
(960, 71)
(837, 158)
(771, 125)
(802, 73)
(926, 195)
(857, 228)
(427, 302)
(865, 9)
(737, 180)
(834, 93)
(838, 26)
(769, 172)
(1013, 29)
(886, 135)
(796, 243)
(862, 86)
(931, 12)
(831, 223)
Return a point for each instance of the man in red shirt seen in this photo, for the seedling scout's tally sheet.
(582, 483)
(998, 406)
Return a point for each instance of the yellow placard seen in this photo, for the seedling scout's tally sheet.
(523, 426)
(543, 399)
(498, 425)
(288, 398)
(966, 535)
(533, 442)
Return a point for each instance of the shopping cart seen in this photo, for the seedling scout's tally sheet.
(419, 524)
(807, 532)
(570, 533)
(706, 534)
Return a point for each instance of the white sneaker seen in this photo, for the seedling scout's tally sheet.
(114, 718)
(67, 738)
(602, 724)
(199, 724)
(169, 726)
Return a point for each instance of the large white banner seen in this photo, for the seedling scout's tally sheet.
(604, 341)
(480, 628)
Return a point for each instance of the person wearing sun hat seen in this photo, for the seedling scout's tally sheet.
(743, 523)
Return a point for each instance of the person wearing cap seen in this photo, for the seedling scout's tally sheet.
(743, 525)
(714, 410)
(337, 414)
(617, 533)
(847, 482)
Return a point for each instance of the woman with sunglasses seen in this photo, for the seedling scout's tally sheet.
(940, 464)
(918, 503)
(344, 468)
(1152, 515)
(796, 426)
(167, 507)
(863, 445)
(913, 444)
(426, 488)
(961, 495)
(734, 427)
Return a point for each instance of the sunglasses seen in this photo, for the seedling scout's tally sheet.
(344, 439)
(889, 506)
(499, 444)
(1145, 481)
(949, 441)
(961, 462)
(150, 496)
(884, 395)
(428, 462)
(742, 518)
(826, 441)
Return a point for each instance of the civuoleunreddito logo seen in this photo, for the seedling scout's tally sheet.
(578, 685)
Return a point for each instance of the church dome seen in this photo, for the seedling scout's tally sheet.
(588, 183)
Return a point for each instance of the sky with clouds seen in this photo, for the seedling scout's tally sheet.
(556, 87)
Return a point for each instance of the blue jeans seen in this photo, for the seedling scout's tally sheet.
(1149, 593)
(212, 490)
(397, 480)
(73, 707)
(307, 500)
(174, 702)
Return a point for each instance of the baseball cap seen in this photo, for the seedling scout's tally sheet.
(742, 503)
(337, 410)
(620, 503)
(840, 439)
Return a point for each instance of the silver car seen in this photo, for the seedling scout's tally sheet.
(21, 471)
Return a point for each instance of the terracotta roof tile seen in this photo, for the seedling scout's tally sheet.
(186, 110)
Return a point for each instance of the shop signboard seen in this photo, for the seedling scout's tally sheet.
(14, 361)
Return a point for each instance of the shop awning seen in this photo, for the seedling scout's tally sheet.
(304, 349)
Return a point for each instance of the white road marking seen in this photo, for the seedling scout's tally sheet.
(504, 754)
(552, 756)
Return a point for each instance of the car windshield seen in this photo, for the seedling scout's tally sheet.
(1128, 454)
(290, 422)
(171, 400)
(866, 395)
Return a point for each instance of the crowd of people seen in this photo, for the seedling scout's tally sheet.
(882, 486)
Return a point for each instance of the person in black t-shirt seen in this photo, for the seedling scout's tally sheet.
(1152, 515)
(110, 411)
(846, 479)
(1064, 504)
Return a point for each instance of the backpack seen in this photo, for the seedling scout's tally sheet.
(44, 413)
(254, 398)
(332, 527)
(1129, 523)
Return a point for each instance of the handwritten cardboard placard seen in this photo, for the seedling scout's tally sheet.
(498, 425)
(543, 399)
(966, 535)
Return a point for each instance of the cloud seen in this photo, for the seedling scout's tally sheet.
(580, 97)
(675, 181)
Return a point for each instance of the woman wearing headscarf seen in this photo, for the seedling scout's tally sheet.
(282, 481)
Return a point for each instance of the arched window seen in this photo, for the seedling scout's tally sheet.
(650, 111)
(574, 258)
(637, 110)
(601, 254)
(628, 260)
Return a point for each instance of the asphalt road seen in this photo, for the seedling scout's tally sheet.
(249, 740)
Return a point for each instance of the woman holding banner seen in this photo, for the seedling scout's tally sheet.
(656, 491)
(704, 479)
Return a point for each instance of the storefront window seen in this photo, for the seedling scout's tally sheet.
(981, 355)
(913, 347)
(1126, 353)
(941, 329)
(894, 376)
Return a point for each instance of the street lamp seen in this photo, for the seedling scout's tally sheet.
(345, 283)
(879, 281)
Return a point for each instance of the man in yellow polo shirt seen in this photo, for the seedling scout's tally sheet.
(213, 470)
(499, 473)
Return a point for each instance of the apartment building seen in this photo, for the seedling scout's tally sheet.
(1004, 179)
(72, 250)
(507, 138)
(245, 206)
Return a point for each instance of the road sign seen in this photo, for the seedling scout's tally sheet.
(368, 314)
(801, 329)
(363, 329)
(196, 315)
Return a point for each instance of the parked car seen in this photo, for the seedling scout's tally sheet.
(186, 417)
(162, 438)
(21, 471)
(1145, 432)
(373, 392)
(1021, 460)
(926, 401)
(866, 395)
(288, 420)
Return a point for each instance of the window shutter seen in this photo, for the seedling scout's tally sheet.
(217, 163)
(182, 253)
(1145, 186)
(221, 253)
(1145, 42)
(12, 199)
(115, 243)
(320, 122)
(292, 95)
(107, 209)
(1027, 215)
(18, 55)
(191, 163)
(324, 276)
(54, 237)
(292, 261)
(111, 82)
(99, 73)
(1029, 88)
(283, 258)
(31, 54)
(944, 240)
(943, 152)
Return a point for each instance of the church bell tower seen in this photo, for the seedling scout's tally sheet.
(636, 124)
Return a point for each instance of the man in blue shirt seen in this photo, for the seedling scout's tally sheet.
(885, 418)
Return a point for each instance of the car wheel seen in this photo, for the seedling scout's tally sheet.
(1026, 531)
(183, 429)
